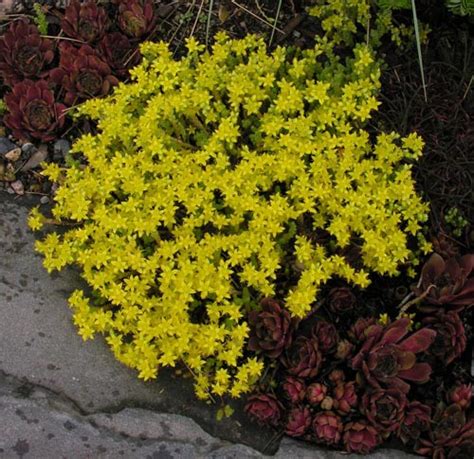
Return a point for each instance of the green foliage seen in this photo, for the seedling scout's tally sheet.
(3, 107)
(461, 7)
(394, 4)
(456, 221)
(40, 19)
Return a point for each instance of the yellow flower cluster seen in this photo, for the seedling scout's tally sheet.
(207, 176)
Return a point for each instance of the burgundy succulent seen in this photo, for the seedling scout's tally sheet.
(82, 74)
(451, 435)
(315, 393)
(294, 389)
(341, 300)
(33, 111)
(271, 329)
(264, 408)
(326, 335)
(344, 350)
(384, 408)
(448, 282)
(417, 420)
(327, 428)
(461, 395)
(336, 376)
(360, 437)
(303, 358)
(119, 53)
(23, 53)
(136, 17)
(84, 21)
(344, 397)
(388, 359)
(299, 421)
(450, 340)
(357, 332)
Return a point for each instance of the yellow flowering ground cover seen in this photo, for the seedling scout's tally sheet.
(207, 176)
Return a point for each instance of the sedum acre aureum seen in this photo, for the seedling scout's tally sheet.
(209, 176)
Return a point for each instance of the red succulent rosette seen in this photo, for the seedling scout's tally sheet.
(344, 397)
(294, 389)
(136, 17)
(33, 111)
(337, 376)
(326, 335)
(82, 74)
(264, 408)
(452, 436)
(344, 350)
(417, 420)
(303, 359)
(271, 329)
(316, 393)
(449, 283)
(451, 339)
(384, 408)
(461, 395)
(118, 51)
(360, 437)
(341, 300)
(299, 421)
(388, 359)
(358, 331)
(24, 54)
(327, 428)
(85, 21)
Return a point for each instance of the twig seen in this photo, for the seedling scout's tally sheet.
(209, 17)
(238, 5)
(197, 18)
(416, 300)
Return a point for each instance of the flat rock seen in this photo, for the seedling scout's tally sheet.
(6, 146)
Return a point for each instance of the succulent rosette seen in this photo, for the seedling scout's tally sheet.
(24, 54)
(388, 359)
(271, 329)
(119, 52)
(299, 421)
(341, 300)
(82, 74)
(85, 21)
(357, 331)
(448, 283)
(417, 421)
(344, 350)
(360, 437)
(461, 395)
(326, 335)
(303, 359)
(327, 428)
(316, 393)
(384, 408)
(136, 17)
(294, 389)
(344, 397)
(33, 111)
(264, 408)
(452, 436)
(451, 339)
(336, 376)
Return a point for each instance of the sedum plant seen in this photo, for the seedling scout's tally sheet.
(205, 191)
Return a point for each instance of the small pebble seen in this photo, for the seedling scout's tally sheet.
(18, 187)
(36, 158)
(61, 149)
(28, 148)
(44, 200)
(13, 155)
(6, 146)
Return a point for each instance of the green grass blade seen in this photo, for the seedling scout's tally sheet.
(418, 47)
(208, 25)
(275, 23)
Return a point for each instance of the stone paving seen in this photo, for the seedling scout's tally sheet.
(61, 397)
